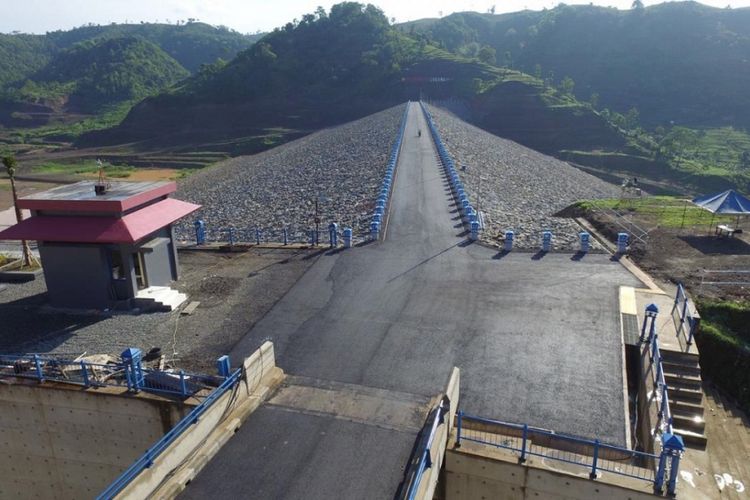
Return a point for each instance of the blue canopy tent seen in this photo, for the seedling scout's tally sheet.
(729, 202)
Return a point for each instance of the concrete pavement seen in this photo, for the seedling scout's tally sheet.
(537, 339)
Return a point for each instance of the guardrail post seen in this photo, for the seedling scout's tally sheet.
(546, 241)
(674, 469)
(508, 246)
(224, 366)
(38, 365)
(183, 386)
(594, 462)
(131, 358)
(652, 311)
(257, 236)
(347, 237)
(585, 239)
(285, 235)
(460, 426)
(659, 478)
(200, 232)
(684, 310)
(374, 230)
(85, 374)
(231, 236)
(333, 236)
(524, 439)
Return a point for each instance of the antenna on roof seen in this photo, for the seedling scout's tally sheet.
(101, 185)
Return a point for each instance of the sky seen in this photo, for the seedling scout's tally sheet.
(246, 16)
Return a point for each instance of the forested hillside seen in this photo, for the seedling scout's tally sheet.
(675, 63)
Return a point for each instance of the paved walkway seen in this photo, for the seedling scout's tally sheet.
(537, 339)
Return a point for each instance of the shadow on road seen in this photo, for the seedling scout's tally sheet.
(424, 262)
(539, 255)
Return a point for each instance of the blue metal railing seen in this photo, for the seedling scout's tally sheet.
(380, 212)
(591, 455)
(660, 383)
(147, 459)
(468, 214)
(688, 324)
(423, 452)
(87, 374)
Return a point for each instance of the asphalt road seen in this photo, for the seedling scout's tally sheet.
(537, 340)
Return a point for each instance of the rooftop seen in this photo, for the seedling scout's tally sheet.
(81, 197)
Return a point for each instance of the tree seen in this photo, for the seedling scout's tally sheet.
(567, 84)
(745, 159)
(10, 166)
(487, 55)
(508, 59)
(637, 5)
(631, 118)
(538, 71)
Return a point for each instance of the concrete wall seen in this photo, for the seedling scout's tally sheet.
(473, 477)
(159, 265)
(77, 276)
(63, 442)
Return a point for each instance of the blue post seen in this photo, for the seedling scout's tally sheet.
(684, 310)
(509, 235)
(460, 425)
(585, 241)
(524, 439)
(659, 478)
(38, 365)
(594, 462)
(183, 386)
(474, 230)
(312, 237)
(672, 448)
(333, 236)
(285, 235)
(375, 230)
(200, 232)
(664, 399)
(85, 373)
(231, 236)
(622, 242)
(224, 366)
(131, 358)
(257, 236)
(546, 241)
(347, 237)
(658, 368)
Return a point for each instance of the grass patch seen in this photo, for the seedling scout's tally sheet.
(724, 344)
(86, 168)
(4, 259)
(665, 211)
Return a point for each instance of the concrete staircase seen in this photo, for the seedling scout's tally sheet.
(159, 298)
(683, 376)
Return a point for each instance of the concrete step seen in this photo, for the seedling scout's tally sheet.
(686, 408)
(682, 358)
(681, 368)
(161, 298)
(679, 380)
(690, 438)
(685, 394)
(693, 424)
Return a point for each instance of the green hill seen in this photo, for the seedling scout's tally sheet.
(97, 73)
(677, 62)
(337, 66)
(191, 44)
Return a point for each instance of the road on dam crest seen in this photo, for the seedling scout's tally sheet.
(538, 341)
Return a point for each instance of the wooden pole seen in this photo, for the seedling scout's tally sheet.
(10, 165)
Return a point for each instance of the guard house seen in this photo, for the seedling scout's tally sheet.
(105, 246)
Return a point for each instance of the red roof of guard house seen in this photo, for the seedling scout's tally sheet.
(109, 221)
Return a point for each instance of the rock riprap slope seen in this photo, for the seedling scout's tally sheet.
(517, 188)
(342, 167)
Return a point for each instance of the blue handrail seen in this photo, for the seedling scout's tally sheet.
(590, 454)
(425, 453)
(147, 459)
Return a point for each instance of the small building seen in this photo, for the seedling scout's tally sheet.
(105, 248)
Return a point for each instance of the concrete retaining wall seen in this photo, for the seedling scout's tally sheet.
(470, 477)
(65, 442)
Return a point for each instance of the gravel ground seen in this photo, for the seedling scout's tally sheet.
(278, 188)
(235, 291)
(521, 188)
